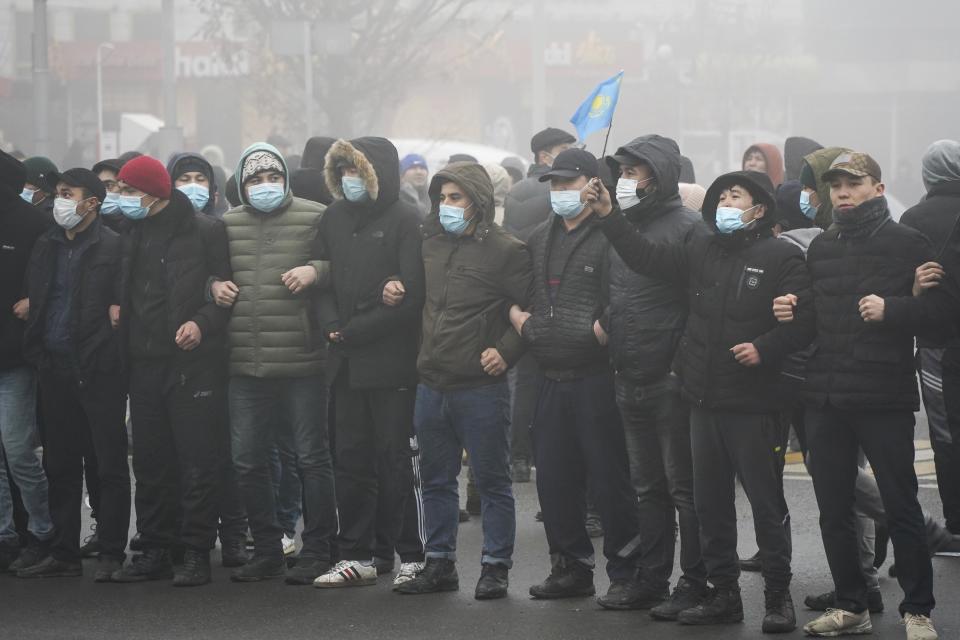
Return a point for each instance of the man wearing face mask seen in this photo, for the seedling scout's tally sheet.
(727, 360)
(172, 344)
(577, 432)
(277, 362)
(73, 282)
(107, 172)
(41, 186)
(474, 272)
(193, 175)
(646, 320)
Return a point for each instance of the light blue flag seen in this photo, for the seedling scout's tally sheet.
(596, 112)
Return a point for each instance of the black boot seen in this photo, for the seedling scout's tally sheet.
(91, 544)
(722, 606)
(633, 593)
(106, 567)
(8, 554)
(751, 564)
(233, 552)
(30, 555)
(260, 568)
(439, 574)
(567, 579)
(493, 582)
(828, 600)
(780, 617)
(686, 595)
(153, 564)
(50, 567)
(195, 570)
(306, 570)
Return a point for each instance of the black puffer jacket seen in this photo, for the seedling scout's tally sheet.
(367, 243)
(731, 282)
(20, 226)
(560, 332)
(647, 315)
(861, 365)
(527, 204)
(196, 254)
(95, 287)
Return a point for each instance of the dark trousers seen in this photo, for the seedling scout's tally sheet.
(257, 407)
(74, 419)
(656, 424)
(524, 380)
(373, 474)
(940, 383)
(233, 515)
(408, 542)
(179, 452)
(287, 490)
(886, 437)
(727, 445)
(578, 438)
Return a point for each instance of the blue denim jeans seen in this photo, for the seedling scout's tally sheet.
(18, 435)
(257, 407)
(478, 420)
(286, 483)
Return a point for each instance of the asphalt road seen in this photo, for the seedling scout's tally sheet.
(77, 608)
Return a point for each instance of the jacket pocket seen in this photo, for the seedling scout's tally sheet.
(876, 353)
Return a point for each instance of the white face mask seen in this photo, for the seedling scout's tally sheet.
(627, 193)
(65, 213)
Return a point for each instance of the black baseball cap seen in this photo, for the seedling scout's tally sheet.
(571, 163)
(86, 179)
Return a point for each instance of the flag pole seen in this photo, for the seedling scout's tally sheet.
(606, 139)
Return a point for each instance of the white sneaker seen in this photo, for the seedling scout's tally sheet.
(348, 573)
(408, 571)
(837, 622)
(919, 627)
(289, 545)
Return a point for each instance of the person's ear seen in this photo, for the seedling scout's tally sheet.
(881, 188)
(761, 211)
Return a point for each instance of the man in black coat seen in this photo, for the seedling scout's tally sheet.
(577, 434)
(861, 388)
(20, 226)
(172, 344)
(368, 234)
(646, 320)
(727, 362)
(73, 282)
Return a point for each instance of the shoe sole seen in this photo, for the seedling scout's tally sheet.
(441, 589)
(705, 623)
(664, 617)
(856, 631)
(632, 606)
(255, 578)
(366, 582)
(490, 596)
(560, 596)
(62, 574)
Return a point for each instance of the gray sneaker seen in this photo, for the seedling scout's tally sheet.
(919, 627)
(837, 622)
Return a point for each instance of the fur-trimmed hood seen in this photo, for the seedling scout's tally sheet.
(378, 163)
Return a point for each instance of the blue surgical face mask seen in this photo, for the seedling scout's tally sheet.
(132, 207)
(566, 204)
(199, 194)
(730, 219)
(808, 209)
(453, 219)
(27, 195)
(266, 196)
(111, 204)
(353, 189)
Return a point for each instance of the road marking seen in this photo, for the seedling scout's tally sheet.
(923, 464)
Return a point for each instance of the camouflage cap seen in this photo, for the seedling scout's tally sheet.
(853, 163)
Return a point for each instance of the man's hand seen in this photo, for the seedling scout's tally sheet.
(597, 197)
(598, 331)
(335, 336)
(746, 354)
(871, 308)
(518, 318)
(783, 307)
(22, 309)
(114, 314)
(927, 276)
(492, 362)
(189, 336)
(224, 293)
(393, 293)
(299, 278)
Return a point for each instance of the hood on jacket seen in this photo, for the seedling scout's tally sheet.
(772, 158)
(261, 146)
(183, 162)
(13, 175)
(377, 162)
(794, 149)
(687, 172)
(789, 214)
(501, 182)
(663, 156)
(819, 163)
(759, 186)
(308, 183)
(941, 163)
(476, 183)
(315, 152)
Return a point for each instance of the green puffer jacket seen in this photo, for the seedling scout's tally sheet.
(270, 332)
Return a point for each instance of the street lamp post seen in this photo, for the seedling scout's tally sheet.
(103, 46)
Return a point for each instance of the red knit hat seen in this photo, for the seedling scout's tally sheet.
(148, 175)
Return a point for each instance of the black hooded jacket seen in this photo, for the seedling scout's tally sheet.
(368, 243)
(20, 226)
(527, 204)
(794, 149)
(647, 314)
(177, 166)
(731, 282)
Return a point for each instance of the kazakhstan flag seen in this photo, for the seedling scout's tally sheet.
(596, 112)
